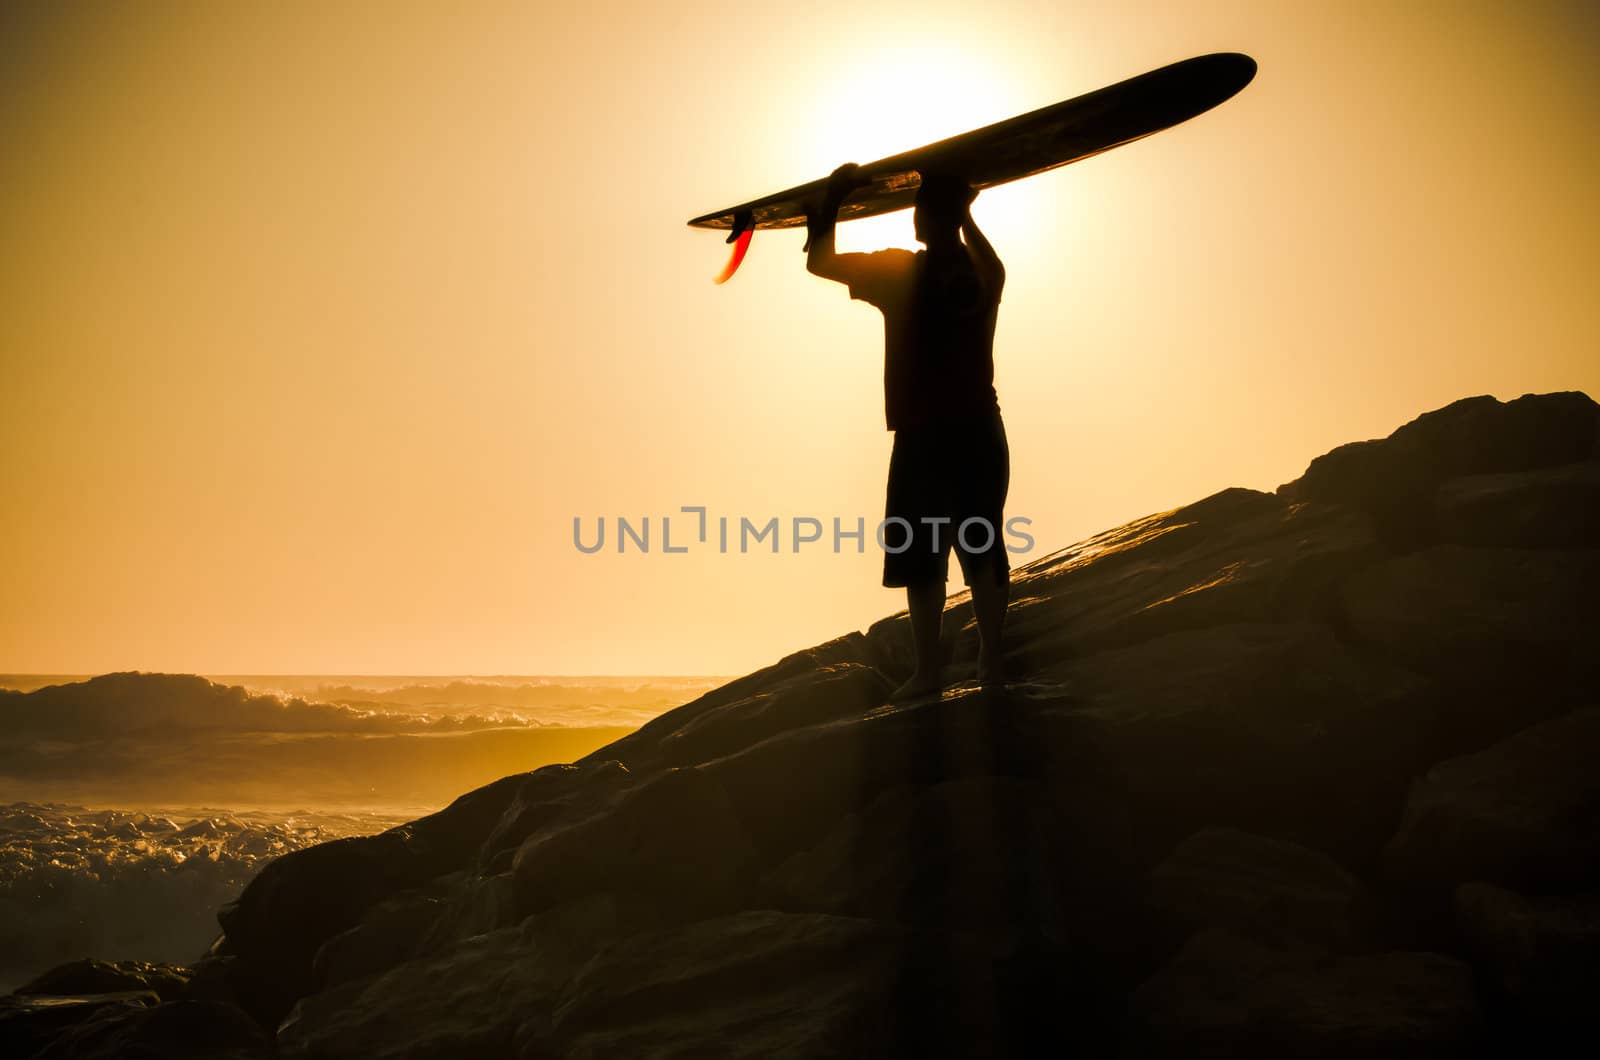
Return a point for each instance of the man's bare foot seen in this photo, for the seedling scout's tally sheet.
(992, 671)
(919, 684)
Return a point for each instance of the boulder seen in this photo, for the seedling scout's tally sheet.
(791, 789)
(1252, 725)
(639, 751)
(177, 1030)
(1509, 633)
(550, 797)
(1235, 557)
(466, 1000)
(1245, 724)
(389, 933)
(472, 905)
(1556, 507)
(1264, 888)
(30, 1022)
(979, 855)
(1228, 996)
(1394, 479)
(1541, 957)
(757, 984)
(1521, 814)
(301, 900)
(226, 979)
(840, 690)
(674, 839)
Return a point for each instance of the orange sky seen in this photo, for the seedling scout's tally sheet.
(322, 322)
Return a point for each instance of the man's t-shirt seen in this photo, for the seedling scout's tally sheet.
(938, 327)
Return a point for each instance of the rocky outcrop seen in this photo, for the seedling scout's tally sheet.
(1271, 768)
(1523, 813)
(1558, 507)
(1540, 961)
(1263, 888)
(1227, 997)
(177, 1030)
(1398, 479)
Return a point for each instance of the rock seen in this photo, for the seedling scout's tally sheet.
(790, 790)
(1509, 633)
(389, 933)
(1243, 724)
(1228, 996)
(225, 979)
(1395, 479)
(301, 900)
(830, 692)
(1521, 814)
(178, 1030)
(1251, 725)
(760, 984)
(978, 855)
(1541, 956)
(550, 797)
(471, 997)
(472, 905)
(464, 1001)
(30, 1022)
(450, 839)
(1263, 888)
(1556, 507)
(1235, 557)
(640, 750)
(675, 839)
(89, 976)
(720, 724)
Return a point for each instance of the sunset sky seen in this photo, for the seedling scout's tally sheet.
(319, 323)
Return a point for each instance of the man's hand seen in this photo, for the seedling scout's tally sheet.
(842, 181)
(822, 216)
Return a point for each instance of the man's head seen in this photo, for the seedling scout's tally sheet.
(942, 201)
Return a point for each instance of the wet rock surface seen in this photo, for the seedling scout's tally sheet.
(1304, 773)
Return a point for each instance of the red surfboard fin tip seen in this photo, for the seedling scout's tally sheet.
(741, 245)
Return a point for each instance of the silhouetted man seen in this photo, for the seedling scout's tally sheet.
(950, 467)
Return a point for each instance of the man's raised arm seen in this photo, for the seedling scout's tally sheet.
(821, 258)
(991, 273)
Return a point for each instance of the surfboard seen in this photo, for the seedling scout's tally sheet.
(1018, 147)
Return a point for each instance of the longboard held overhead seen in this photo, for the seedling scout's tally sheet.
(1018, 147)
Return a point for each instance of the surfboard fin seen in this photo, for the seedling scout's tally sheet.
(739, 236)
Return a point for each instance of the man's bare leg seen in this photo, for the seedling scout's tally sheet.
(925, 601)
(989, 599)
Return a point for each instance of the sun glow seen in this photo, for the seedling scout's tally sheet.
(891, 100)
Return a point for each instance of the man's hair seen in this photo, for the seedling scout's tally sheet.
(943, 194)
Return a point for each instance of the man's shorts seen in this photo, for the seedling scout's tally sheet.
(956, 474)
